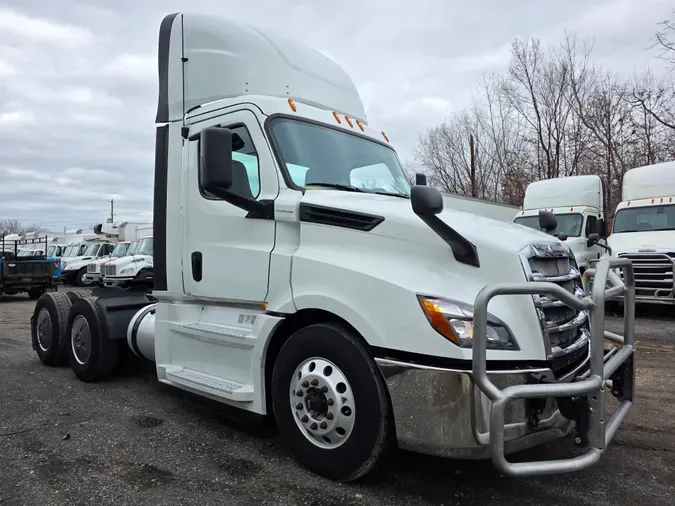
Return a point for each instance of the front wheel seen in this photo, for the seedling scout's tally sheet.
(80, 278)
(330, 402)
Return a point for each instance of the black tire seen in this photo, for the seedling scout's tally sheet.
(78, 281)
(103, 355)
(36, 293)
(52, 348)
(75, 296)
(372, 435)
(145, 273)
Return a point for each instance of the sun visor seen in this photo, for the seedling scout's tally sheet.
(203, 58)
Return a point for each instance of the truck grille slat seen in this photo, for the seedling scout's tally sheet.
(653, 274)
(563, 327)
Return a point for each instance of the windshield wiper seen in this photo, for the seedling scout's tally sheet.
(350, 188)
(338, 186)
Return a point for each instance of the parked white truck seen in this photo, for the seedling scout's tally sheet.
(578, 205)
(356, 316)
(644, 231)
(135, 265)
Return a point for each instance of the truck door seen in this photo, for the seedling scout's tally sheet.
(225, 254)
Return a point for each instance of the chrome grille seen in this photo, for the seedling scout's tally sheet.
(92, 268)
(653, 274)
(108, 270)
(565, 330)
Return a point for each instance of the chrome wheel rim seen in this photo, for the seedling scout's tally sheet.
(80, 339)
(322, 401)
(45, 333)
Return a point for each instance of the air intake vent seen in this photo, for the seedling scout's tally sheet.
(313, 213)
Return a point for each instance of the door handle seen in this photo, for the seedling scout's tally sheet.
(196, 259)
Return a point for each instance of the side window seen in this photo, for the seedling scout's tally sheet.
(591, 225)
(245, 169)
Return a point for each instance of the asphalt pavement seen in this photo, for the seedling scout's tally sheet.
(130, 441)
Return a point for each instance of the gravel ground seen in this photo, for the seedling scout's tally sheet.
(130, 441)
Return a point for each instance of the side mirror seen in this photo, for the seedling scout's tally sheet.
(562, 237)
(215, 160)
(601, 226)
(547, 221)
(425, 200)
(592, 239)
(420, 179)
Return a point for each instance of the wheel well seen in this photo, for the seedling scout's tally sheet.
(286, 329)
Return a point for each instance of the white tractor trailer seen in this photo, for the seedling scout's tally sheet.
(297, 275)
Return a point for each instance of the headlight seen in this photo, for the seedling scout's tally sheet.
(454, 321)
(127, 270)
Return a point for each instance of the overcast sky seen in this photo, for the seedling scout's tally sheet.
(78, 79)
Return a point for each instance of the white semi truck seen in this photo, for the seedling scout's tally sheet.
(578, 205)
(360, 317)
(644, 231)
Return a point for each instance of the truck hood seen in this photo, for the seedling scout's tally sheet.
(125, 261)
(74, 263)
(662, 240)
(401, 222)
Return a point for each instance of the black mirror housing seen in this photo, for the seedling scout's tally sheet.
(215, 160)
(547, 221)
(426, 200)
(420, 179)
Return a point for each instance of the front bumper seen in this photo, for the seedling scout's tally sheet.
(490, 414)
(93, 277)
(116, 280)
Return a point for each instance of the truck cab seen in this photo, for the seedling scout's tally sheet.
(24, 266)
(578, 205)
(298, 275)
(644, 231)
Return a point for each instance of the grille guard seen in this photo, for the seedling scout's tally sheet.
(592, 387)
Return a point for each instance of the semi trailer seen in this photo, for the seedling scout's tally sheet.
(298, 276)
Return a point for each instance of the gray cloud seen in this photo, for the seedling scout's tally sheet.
(78, 79)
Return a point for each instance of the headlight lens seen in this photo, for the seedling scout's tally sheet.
(454, 321)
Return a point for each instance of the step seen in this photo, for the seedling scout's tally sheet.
(219, 334)
(229, 389)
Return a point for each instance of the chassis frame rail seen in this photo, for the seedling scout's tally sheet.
(591, 387)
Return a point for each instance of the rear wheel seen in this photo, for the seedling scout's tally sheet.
(93, 356)
(330, 402)
(50, 319)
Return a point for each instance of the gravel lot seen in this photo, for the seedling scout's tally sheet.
(131, 441)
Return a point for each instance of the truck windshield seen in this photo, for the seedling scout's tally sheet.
(120, 250)
(642, 219)
(320, 156)
(50, 251)
(568, 224)
(145, 247)
(92, 250)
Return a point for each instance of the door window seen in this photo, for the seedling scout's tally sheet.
(245, 167)
(591, 225)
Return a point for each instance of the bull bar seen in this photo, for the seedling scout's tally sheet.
(618, 372)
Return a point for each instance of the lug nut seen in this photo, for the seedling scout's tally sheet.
(304, 419)
(313, 426)
(323, 425)
(298, 405)
(330, 402)
(299, 393)
(315, 382)
(324, 389)
(329, 416)
(305, 384)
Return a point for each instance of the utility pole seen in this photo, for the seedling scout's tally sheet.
(472, 162)
(112, 210)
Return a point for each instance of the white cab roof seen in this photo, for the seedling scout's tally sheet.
(569, 191)
(648, 182)
(203, 59)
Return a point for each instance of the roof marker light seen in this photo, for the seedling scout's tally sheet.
(360, 125)
(337, 117)
(385, 137)
(292, 104)
(349, 122)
